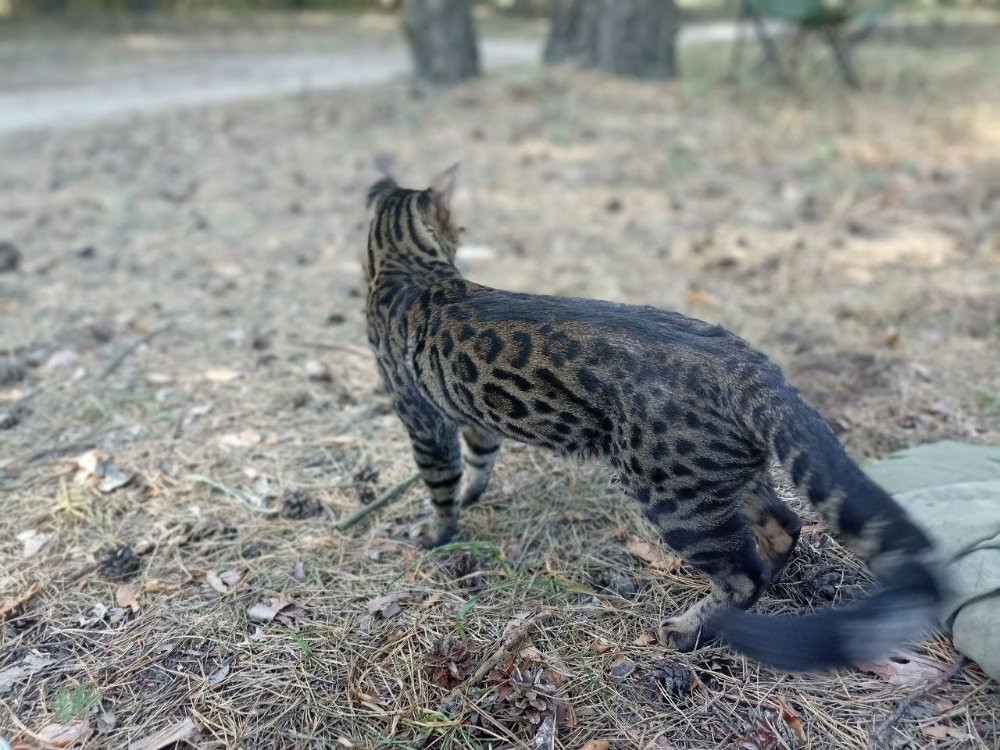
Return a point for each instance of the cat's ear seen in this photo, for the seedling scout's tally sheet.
(443, 187)
(378, 192)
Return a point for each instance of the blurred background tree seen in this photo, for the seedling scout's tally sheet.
(442, 39)
(634, 38)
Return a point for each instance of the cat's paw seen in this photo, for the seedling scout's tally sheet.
(434, 533)
(469, 497)
(677, 637)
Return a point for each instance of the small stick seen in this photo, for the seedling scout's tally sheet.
(510, 643)
(247, 501)
(875, 740)
(390, 495)
(115, 362)
(350, 348)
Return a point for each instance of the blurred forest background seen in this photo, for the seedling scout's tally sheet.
(703, 8)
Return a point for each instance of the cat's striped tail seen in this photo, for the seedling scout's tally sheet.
(866, 518)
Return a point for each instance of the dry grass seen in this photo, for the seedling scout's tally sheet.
(855, 239)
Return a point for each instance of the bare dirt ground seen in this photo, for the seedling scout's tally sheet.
(189, 303)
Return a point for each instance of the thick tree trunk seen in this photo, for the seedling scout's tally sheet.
(634, 38)
(573, 31)
(442, 39)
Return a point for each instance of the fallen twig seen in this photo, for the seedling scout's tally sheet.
(390, 495)
(511, 642)
(235, 494)
(116, 361)
(875, 739)
(350, 348)
(79, 446)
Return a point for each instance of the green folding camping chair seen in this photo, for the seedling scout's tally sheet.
(840, 25)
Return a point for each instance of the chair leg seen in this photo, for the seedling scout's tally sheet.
(770, 50)
(840, 54)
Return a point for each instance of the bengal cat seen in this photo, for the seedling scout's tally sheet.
(686, 414)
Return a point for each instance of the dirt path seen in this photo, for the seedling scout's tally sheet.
(172, 84)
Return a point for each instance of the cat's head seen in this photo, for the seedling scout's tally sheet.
(412, 227)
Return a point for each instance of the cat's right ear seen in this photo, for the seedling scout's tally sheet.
(378, 191)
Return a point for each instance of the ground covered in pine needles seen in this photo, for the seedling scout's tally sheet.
(188, 407)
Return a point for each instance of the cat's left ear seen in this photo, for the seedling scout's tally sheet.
(378, 192)
(443, 187)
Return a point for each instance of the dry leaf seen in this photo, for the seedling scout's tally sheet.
(387, 605)
(318, 371)
(14, 394)
(32, 541)
(230, 577)
(242, 439)
(368, 699)
(646, 639)
(221, 374)
(940, 732)
(698, 297)
(11, 604)
(530, 653)
(597, 745)
(29, 665)
(218, 675)
(600, 647)
(97, 469)
(213, 580)
(904, 668)
(545, 737)
(653, 554)
(223, 582)
(106, 721)
(158, 587)
(793, 720)
(196, 412)
(761, 738)
(621, 670)
(65, 735)
(127, 596)
(281, 610)
(179, 731)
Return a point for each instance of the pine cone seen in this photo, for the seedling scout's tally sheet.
(670, 677)
(449, 663)
(298, 505)
(463, 565)
(525, 698)
(118, 563)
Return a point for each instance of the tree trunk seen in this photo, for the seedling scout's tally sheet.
(635, 38)
(573, 31)
(442, 39)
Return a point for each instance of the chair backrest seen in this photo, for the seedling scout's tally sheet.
(799, 11)
(819, 13)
